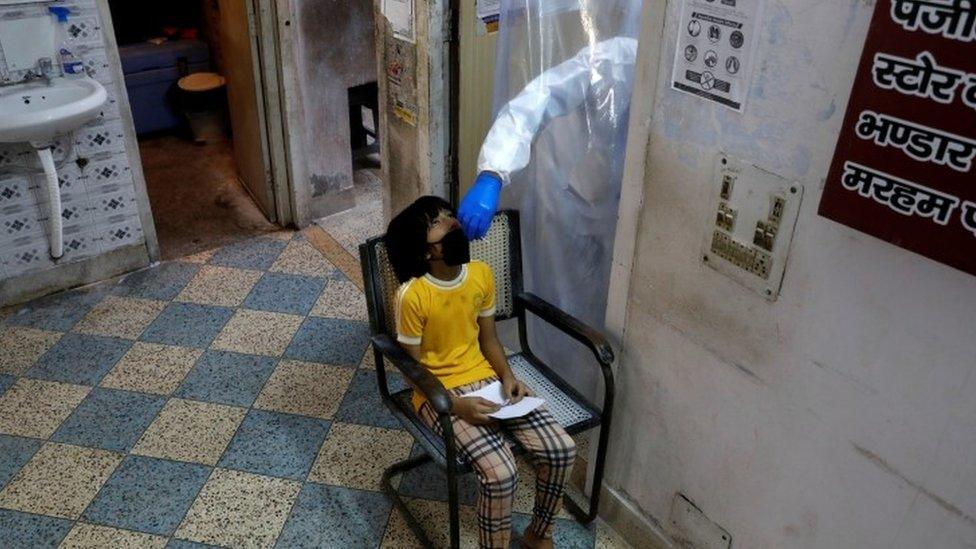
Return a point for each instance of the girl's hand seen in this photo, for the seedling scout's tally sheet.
(474, 410)
(514, 390)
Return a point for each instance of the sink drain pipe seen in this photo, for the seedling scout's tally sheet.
(54, 228)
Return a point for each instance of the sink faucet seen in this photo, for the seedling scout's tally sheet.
(44, 69)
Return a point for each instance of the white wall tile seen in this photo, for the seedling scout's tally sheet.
(96, 63)
(84, 30)
(32, 257)
(19, 221)
(113, 202)
(70, 178)
(116, 233)
(110, 170)
(15, 190)
(79, 242)
(101, 138)
(76, 208)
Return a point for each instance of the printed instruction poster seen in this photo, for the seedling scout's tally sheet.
(715, 50)
(400, 15)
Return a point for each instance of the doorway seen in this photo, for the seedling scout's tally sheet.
(192, 76)
(364, 219)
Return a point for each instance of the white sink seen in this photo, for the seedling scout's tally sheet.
(37, 112)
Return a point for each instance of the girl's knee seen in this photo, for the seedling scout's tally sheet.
(561, 452)
(499, 478)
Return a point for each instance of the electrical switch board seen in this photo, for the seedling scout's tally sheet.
(750, 230)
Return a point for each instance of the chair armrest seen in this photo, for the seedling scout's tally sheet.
(569, 325)
(420, 377)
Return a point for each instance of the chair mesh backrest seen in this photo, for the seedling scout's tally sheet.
(497, 249)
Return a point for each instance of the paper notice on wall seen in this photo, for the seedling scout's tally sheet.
(488, 8)
(400, 15)
(487, 12)
(716, 49)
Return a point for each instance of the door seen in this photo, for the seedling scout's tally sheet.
(245, 102)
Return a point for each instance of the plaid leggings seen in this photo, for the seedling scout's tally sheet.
(553, 452)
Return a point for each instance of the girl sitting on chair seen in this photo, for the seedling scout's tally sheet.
(445, 320)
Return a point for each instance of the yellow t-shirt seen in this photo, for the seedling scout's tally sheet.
(442, 317)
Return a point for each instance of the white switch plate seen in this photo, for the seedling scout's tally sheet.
(691, 528)
(750, 227)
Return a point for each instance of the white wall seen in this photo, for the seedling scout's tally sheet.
(840, 416)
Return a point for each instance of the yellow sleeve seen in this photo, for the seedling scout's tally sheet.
(487, 307)
(411, 315)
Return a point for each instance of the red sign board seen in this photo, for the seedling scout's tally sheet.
(904, 169)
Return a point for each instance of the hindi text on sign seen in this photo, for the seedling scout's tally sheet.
(920, 142)
(953, 19)
(904, 197)
(922, 76)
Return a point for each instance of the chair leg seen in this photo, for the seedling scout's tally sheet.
(589, 516)
(388, 474)
(453, 506)
(598, 467)
(447, 429)
(574, 509)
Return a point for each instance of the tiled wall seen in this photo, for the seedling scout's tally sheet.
(99, 210)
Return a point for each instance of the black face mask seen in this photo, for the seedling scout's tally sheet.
(456, 248)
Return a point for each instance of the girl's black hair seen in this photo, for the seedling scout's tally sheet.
(406, 236)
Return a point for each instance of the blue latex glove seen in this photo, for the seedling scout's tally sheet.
(479, 205)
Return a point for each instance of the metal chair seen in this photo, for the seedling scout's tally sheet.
(501, 249)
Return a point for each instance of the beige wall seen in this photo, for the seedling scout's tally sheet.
(839, 416)
(477, 83)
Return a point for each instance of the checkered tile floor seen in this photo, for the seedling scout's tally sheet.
(226, 399)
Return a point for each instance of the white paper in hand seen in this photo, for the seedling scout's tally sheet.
(519, 409)
(493, 392)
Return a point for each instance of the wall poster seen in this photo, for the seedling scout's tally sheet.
(903, 166)
(715, 50)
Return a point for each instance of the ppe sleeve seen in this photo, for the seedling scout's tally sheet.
(410, 317)
(554, 93)
(488, 302)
